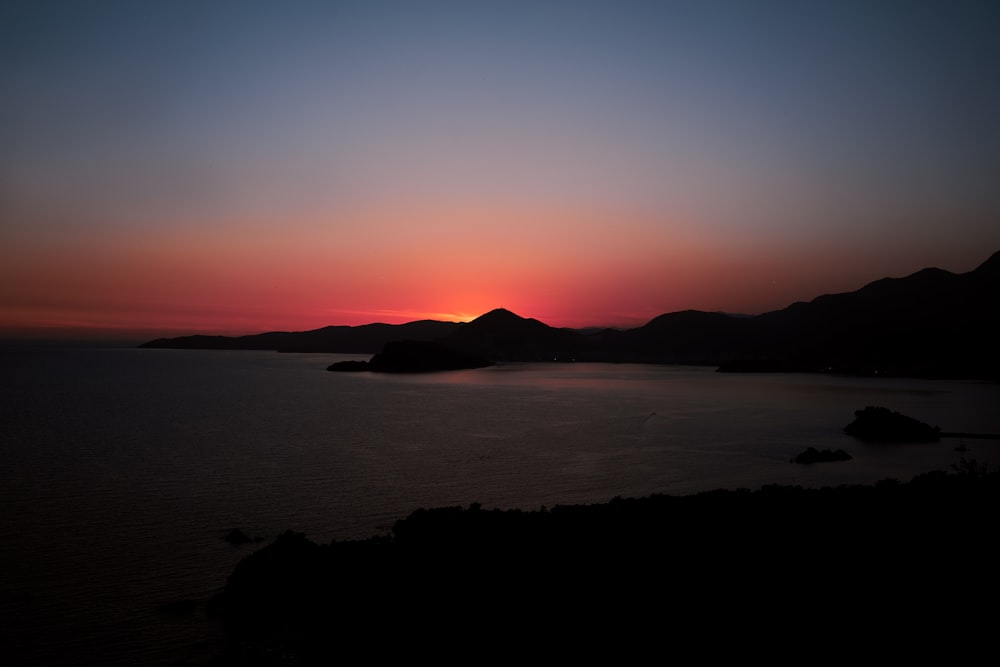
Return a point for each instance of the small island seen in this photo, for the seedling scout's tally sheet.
(878, 424)
(415, 356)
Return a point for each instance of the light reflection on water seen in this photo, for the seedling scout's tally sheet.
(124, 468)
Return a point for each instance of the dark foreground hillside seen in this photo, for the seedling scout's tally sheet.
(893, 567)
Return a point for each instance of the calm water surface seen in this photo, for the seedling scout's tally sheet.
(124, 469)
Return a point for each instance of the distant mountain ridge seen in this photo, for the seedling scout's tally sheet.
(364, 339)
(932, 323)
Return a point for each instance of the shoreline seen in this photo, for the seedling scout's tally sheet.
(589, 567)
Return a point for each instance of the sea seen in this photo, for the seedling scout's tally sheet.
(123, 470)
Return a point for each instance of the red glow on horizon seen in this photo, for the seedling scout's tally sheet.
(450, 264)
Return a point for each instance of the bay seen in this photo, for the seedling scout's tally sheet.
(124, 469)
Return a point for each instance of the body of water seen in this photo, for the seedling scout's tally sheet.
(123, 469)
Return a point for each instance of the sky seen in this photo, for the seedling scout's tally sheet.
(231, 167)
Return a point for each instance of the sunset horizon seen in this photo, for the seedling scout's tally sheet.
(176, 168)
(130, 333)
(718, 230)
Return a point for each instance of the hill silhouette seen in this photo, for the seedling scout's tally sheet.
(933, 323)
(504, 336)
(364, 339)
(776, 564)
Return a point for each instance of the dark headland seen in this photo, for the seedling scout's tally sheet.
(933, 323)
(753, 570)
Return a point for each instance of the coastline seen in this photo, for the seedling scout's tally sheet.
(588, 568)
(178, 487)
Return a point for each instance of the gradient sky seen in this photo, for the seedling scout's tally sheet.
(234, 167)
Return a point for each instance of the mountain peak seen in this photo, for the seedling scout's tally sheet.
(501, 319)
(499, 314)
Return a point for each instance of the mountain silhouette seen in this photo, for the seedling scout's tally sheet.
(504, 336)
(364, 339)
(932, 323)
(686, 337)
